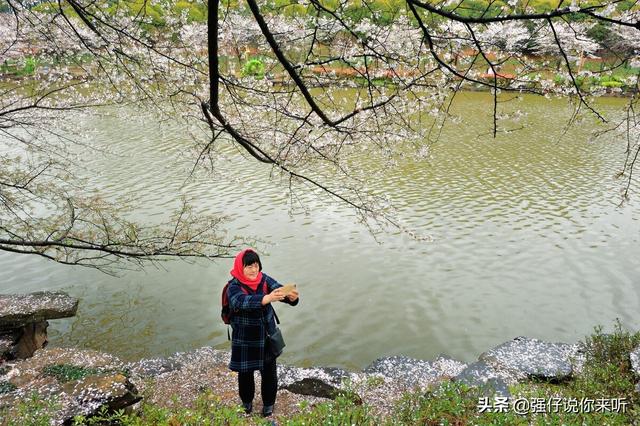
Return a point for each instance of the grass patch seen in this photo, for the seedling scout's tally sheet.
(207, 411)
(33, 411)
(67, 372)
(346, 409)
(603, 393)
(23, 68)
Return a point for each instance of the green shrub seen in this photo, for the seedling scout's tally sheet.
(607, 371)
(26, 67)
(195, 11)
(253, 68)
(558, 79)
(611, 81)
(30, 64)
(611, 84)
(600, 32)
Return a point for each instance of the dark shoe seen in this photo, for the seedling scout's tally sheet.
(248, 407)
(267, 410)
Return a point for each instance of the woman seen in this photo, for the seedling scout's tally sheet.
(250, 294)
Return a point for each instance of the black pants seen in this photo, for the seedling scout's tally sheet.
(269, 385)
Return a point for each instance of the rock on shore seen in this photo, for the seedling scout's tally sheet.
(76, 381)
(23, 321)
(20, 309)
(526, 358)
(68, 382)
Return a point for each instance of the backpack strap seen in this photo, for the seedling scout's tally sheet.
(246, 288)
(265, 290)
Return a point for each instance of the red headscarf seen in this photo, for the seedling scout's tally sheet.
(238, 271)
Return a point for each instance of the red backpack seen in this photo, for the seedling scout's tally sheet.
(226, 309)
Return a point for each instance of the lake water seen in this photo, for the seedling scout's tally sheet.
(528, 239)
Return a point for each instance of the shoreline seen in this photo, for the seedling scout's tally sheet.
(349, 81)
(81, 382)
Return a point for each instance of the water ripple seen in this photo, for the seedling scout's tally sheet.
(528, 240)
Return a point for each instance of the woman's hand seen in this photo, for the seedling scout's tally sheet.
(274, 296)
(293, 296)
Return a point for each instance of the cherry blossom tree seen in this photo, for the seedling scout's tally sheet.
(45, 209)
(336, 82)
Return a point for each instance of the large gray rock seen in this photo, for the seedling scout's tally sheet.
(88, 395)
(415, 372)
(63, 402)
(17, 310)
(448, 367)
(528, 358)
(481, 375)
(313, 386)
(100, 384)
(23, 321)
(321, 382)
(635, 361)
(288, 374)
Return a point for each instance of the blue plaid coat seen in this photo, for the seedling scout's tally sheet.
(250, 322)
